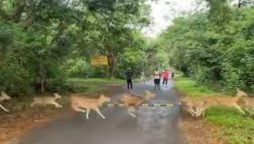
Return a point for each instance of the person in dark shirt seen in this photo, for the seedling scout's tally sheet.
(172, 75)
(129, 75)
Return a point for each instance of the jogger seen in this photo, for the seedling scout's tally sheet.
(165, 76)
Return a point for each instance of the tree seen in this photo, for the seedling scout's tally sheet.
(214, 47)
(39, 37)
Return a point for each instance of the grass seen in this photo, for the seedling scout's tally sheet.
(234, 128)
(92, 85)
(193, 89)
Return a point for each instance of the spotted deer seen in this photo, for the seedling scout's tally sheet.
(47, 100)
(197, 106)
(131, 102)
(85, 104)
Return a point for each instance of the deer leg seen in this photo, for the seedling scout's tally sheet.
(130, 111)
(239, 108)
(78, 109)
(203, 113)
(56, 104)
(200, 111)
(2, 107)
(87, 113)
(32, 105)
(192, 112)
(99, 112)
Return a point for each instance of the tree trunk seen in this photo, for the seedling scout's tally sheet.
(28, 22)
(239, 3)
(111, 66)
(3, 13)
(42, 76)
(42, 85)
(18, 10)
(60, 30)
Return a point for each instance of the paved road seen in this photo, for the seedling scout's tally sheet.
(152, 126)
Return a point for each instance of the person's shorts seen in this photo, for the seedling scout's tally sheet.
(157, 81)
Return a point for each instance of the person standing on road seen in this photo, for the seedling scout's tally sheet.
(165, 76)
(172, 75)
(129, 75)
(142, 77)
(156, 76)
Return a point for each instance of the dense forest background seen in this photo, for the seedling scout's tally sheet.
(214, 46)
(45, 42)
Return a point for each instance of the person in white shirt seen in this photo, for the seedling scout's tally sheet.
(156, 76)
(142, 77)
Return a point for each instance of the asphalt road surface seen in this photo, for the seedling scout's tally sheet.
(153, 125)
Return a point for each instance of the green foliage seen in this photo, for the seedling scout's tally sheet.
(15, 79)
(214, 47)
(77, 67)
(42, 42)
(133, 57)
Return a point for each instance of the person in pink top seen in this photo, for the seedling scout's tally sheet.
(165, 77)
